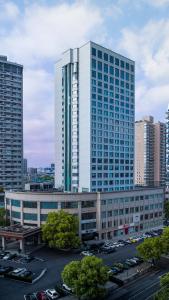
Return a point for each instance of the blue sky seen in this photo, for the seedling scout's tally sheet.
(35, 33)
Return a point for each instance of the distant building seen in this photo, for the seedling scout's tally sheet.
(94, 113)
(25, 166)
(39, 186)
(11, 124)
(32, 171)
(150, 152)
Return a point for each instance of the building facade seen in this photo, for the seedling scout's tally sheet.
(167, 148)
(94, 120)
(11, 124)
(110, 215)
(160, 153)
(150, 152)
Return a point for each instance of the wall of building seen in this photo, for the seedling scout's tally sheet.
(11, 128)
(109, 215)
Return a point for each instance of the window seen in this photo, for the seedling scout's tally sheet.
(89, 216)
(87, 226)
(122, 64)
(30, 204)
(93, 51)
(116, 61)
(111, 70)
(93, 63)
(99, 65)
(127, 66)
(28, 216)
(121, 212)
(99, 53)
(43, 217)
(105, 68)
(88, 204)
(116, 72)
(94, 74)
(49, 205)
(106, 56)
(111, 59)
(16, 214)
(15, 203)
(72, 204)
(7, 201)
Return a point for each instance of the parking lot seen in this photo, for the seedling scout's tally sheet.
(54, 262)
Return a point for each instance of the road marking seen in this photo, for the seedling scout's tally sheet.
(137, 294)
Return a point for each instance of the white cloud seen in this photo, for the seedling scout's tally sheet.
(36, 39)
(8, 11)
(43, 32)
(149, 47)
(157, 3)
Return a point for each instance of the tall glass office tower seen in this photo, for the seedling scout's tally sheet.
(94, 114)
(11, 124)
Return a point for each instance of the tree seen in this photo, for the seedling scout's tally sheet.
(1, 189)
(86, 277)
(163, 294)
(166, 209)
(2, 216)
(165, 240)
(151, 248)
(60, 230)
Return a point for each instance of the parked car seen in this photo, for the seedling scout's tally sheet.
(41, 296)
(87, 253)
(115, 271)
(66, 287)
(19, 271)
(9, 256)
(27, 259)
(130, 262)
(119, 265)
(25, 274)
(30, 297)
(5, 270)
(52, 294)
(116, 244)
(107, 250)
(3, 253)
(128, 241)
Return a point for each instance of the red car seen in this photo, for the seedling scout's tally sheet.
(42, 296)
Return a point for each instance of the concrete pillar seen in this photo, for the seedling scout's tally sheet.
(21, 212)
(21, 244)
(98, 215)
(3, 243)
(39, 239)
(79, 216)
(38, 213)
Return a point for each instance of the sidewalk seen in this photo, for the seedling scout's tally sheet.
(134, 272)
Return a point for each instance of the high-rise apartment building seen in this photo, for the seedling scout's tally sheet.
(11, 124)
(94, 114)
(160, 153)
(149, 152)
(167, 147)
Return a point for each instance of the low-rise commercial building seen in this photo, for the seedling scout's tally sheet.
(105, 215)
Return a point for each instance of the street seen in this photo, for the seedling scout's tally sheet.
(55, 262)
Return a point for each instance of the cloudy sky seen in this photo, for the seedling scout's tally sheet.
(35, 33)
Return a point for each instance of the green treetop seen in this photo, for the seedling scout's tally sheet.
(60, 230)
(86, 278)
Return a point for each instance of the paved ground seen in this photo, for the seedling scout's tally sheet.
(143, 288)
(55, 262)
